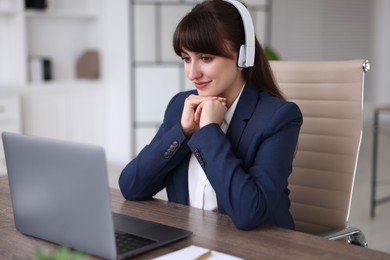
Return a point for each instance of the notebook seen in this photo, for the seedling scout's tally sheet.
(60, 193)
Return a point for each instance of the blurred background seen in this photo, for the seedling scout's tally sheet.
(102, 72)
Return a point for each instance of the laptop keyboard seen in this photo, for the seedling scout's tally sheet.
(127, 242)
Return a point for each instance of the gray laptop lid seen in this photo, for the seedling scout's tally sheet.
(60, 192)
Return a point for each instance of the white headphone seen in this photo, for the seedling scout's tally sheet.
(246, 54)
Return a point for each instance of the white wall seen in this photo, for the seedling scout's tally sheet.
(322, 29)
(381, 52)
(338, 29)
(116, 69)
(327, 30)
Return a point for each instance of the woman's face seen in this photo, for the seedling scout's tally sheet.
(213, 75)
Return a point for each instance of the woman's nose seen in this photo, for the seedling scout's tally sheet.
(193, 71)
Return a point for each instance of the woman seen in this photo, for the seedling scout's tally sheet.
(227, 146)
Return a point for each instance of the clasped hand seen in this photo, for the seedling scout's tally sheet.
(200, 111)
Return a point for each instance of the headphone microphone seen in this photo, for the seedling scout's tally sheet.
(246, 54)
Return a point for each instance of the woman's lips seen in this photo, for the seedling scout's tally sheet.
(200, 85)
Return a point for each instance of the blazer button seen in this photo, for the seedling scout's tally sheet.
(171, 148)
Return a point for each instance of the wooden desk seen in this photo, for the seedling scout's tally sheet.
(211, 230)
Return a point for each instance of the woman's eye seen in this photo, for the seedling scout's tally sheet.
(185, 59)
(207, 59)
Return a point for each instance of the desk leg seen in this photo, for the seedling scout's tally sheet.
(374, 163)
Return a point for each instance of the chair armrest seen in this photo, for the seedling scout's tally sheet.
(354, 236)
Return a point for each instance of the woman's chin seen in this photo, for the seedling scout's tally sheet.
(204, 93)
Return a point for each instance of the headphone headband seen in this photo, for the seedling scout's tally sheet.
(246, 55)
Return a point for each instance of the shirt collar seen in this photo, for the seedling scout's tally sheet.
(230, 112)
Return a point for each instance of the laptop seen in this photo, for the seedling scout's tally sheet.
(60, 193)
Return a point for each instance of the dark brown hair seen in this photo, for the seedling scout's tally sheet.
(215, 27)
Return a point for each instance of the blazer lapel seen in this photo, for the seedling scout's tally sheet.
(244, 110)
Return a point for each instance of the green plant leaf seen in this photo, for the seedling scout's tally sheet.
(60, 253)
(270, 53)
(39, 254)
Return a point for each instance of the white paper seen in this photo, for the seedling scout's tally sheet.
(193, 252)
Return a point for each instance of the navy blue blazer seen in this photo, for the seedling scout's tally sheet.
(248, 167)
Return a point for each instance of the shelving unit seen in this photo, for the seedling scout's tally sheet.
(65, 107)
(63, 14)
(62, 35)
(62, 32)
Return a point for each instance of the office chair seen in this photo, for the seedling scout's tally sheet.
(330, 96)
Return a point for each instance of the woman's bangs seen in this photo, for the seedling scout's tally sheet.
(199, 37)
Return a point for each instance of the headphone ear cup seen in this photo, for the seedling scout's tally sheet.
(241, 59)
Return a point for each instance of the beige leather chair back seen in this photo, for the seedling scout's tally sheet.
(329, 94)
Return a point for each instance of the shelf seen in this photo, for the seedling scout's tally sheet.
(7, 12)
(51, 85)
(65, 107)
(62, 14)
(62, 35)
(64, 85)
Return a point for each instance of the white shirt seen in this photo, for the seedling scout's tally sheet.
(201, 193)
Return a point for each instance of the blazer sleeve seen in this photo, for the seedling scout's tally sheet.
(250, 187)
(145, 175)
